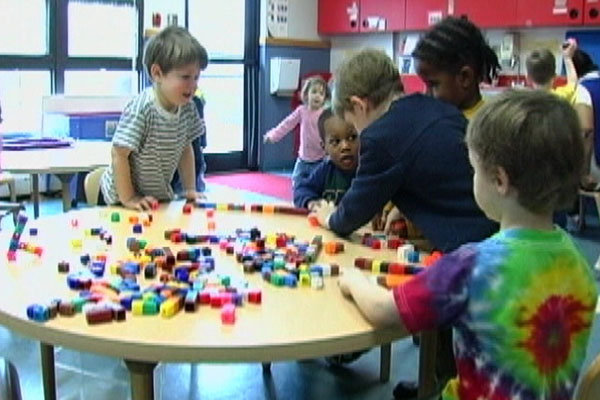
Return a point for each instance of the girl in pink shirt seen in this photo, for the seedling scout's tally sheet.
(314, 94)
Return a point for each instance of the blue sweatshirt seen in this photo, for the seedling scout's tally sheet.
(415, 156)
(326, 181)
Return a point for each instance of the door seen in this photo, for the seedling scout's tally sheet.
(382, 15)
(591, 12)
(495, 13)
(338, 16)
(549, 12)
(421, 14)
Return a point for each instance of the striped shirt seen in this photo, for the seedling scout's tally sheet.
(156, 139)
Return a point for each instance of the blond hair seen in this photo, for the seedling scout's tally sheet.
(369, 74)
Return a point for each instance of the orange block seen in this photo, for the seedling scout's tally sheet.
(268, 209)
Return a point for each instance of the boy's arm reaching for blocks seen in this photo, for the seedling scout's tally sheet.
(187, 172)
(125, 190)
(374, 302)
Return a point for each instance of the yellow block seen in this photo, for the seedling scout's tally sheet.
(145, 259)
(376, 266)
(169, 307)
(76, 243)
(137, 307)
(222, 206)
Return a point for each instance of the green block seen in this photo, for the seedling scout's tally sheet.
(150, 307)
(226, 281)
(78, 303)
(143, 243)
(115, 217)
(279, 263)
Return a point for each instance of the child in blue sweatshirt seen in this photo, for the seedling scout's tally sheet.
(333, 176)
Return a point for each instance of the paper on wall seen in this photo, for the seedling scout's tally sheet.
(277, 18)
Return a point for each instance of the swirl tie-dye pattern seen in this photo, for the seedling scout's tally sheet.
(522, 304)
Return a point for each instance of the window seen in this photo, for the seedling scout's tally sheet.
(223, 88)
(21, 95)
(25, 23)
(219, 26)
(102, 29)
(101, 83)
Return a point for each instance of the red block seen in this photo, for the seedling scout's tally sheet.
(255, 296)
(216, 300)
(376, 244)
(313, 220)
(204, 298)
(228, 314)
(99, 315)
(154, 205)
(187, 208)
(210, 213)
(360, 262)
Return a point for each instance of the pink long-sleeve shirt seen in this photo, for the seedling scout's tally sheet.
(311, 148)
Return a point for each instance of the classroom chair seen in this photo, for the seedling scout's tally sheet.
(8, 179)
(91, 186)
(10, 388)
(589, 386)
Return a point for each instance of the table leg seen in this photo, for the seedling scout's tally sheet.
(266, 368)
(65, 181)
(385, 361)
(141, 374)
(48, 376)
(427, 360)
(35, 194)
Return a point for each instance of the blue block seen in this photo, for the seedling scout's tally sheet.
(33, 231)
(38, 313)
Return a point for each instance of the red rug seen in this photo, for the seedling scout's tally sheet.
(257, 182)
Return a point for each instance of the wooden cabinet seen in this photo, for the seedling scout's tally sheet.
(489, 14)
(532, 13)
(421, 14)
(350, 16)
(591, 12)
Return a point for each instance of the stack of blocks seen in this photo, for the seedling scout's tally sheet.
(15, 241)
(381, 241)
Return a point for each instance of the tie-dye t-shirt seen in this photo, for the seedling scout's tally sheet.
(521, 302)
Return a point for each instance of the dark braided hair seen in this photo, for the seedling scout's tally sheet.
(455, 42)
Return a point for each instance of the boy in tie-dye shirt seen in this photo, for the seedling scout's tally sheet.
(521, 302)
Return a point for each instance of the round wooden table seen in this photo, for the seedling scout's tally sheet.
(290, 324)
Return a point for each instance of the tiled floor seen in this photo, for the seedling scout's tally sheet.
(93, 377)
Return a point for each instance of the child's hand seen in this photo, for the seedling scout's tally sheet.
(140, 203)
(569, 47)
(322, 211)
(392, 216)
(192, 195)
(350, 279)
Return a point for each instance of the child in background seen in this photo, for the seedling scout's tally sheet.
(333, 176)
(453, 58)
(541, 71)
(156, 130)
(521, 302)
(315, 93)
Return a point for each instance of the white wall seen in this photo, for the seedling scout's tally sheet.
(342, 46)
(302, 19)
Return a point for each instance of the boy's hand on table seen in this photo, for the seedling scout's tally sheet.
(350, 279)
(140, 203)
(322, 211)
(192, 195)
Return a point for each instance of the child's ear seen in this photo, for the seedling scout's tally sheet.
(155, 72)
(466, 77)
(502, 181)
(358, 104)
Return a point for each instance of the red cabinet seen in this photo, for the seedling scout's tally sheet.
(421, 14)
(549, 12)
(338, 16)
(349, 16)
(489, 14)
(591, 12)
(376, 15)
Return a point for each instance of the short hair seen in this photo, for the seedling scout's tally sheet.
(310, 82)
(454, 43)
(325, 115)
(541, 66)
(583, 63)
(369, 74)
(535, 137)
(174, 47)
